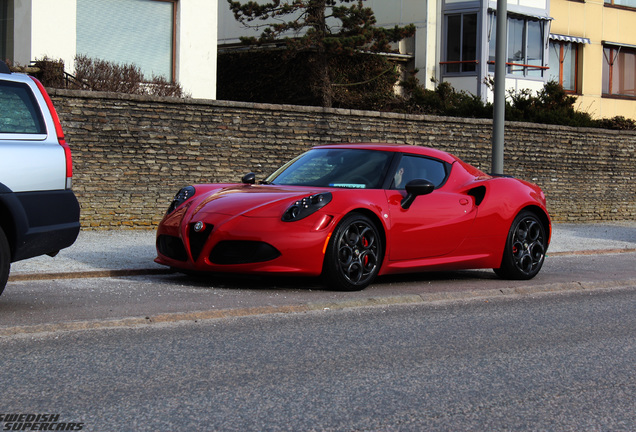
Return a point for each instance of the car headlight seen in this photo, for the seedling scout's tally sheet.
(182, 196)
(306, 206)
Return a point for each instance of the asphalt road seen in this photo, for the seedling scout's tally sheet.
(549, 362)
(429, 351)
(36, 306)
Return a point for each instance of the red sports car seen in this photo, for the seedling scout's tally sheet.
(351, 212)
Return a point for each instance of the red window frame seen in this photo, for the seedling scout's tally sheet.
(610, 57)
(562, 47)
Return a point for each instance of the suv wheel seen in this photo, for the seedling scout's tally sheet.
(5, 260)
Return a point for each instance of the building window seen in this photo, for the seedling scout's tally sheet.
(461, 43)
(6, 29)
(525, 47)
(140, 32)
(625, 3)
(619, 71)
(564, 64)
(526, 41)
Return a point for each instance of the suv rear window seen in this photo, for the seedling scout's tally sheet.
(18, 110)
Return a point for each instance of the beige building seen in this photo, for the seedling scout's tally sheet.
(593, 54)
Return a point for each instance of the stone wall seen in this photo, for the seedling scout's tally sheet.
(131, 153)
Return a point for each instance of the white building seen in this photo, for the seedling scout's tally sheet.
(468, 45)
(454, 40)
(419, 51)
(176, 39)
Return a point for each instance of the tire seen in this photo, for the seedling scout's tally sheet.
(354, 254)
(525, 248)
(5, 260)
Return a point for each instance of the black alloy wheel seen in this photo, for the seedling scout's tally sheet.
(354, 254)
(525, 248)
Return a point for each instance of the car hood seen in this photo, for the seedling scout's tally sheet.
(251, 200)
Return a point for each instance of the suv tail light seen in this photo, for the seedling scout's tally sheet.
(59, 132)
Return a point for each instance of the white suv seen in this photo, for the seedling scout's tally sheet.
(39, 214)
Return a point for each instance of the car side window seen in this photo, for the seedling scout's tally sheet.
(18, 110)
(415, 167)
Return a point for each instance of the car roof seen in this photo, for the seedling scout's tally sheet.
(15, 77)
(399, 148)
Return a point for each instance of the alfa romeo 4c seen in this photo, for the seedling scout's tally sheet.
(352, 212)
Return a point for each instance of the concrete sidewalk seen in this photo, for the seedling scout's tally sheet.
(126, 252)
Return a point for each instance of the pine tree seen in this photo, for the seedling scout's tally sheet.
(325, 28)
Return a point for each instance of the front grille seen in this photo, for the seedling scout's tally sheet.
(198, 239)
(243, 252)
(172, 247)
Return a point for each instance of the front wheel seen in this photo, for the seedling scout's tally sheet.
(354, 254)
(5, 260)
(525, 248)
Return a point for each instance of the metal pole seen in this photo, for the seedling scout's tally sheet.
(499, 114)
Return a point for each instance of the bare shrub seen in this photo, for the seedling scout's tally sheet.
(101, 75)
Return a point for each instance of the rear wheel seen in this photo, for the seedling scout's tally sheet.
(525, 248)
(5, 260)
(354, 254)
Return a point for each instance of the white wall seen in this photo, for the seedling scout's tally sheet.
(423, 14)
(469, 84)
(517, 4)
(54, 30)
(517, 85)
(196, 47)
(45, 28)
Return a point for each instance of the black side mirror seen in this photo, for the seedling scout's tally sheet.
(415, 188)
(249, 178)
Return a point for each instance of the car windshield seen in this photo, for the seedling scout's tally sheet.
(344, 168)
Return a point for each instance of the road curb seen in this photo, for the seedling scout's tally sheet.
(377, 301)
(592, 252)
(19, 277)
